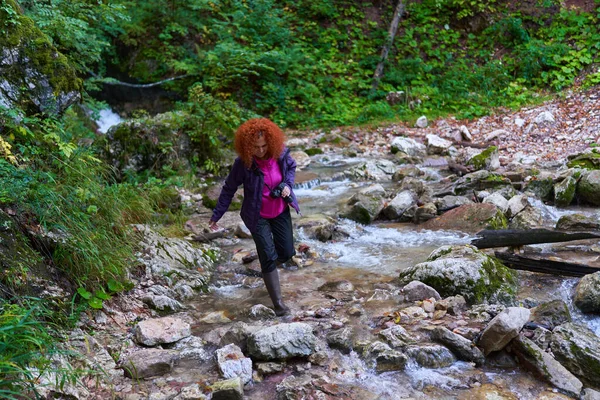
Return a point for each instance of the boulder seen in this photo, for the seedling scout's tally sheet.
(503, 328)
(578, 349)
(464, 270)
(148, 363)
(282, 341)
(587, 293)
(157, 331)
(471, 217)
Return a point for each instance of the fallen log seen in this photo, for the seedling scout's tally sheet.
(537, 263)
(516, 237)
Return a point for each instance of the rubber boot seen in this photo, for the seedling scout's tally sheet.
(272, 283)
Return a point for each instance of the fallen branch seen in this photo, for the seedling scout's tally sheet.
(516, 237)
(537, 263)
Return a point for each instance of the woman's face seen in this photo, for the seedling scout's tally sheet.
(260, 148)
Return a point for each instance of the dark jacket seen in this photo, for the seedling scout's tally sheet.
(253, 180)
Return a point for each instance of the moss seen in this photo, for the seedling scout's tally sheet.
(564, 192)
(495, 178)
(586, 161)
(481, 160)
(313, 151)
(33, 45)
(498, 221)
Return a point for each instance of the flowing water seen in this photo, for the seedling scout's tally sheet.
(370, 259)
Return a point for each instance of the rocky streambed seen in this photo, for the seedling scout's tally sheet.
(389, 300)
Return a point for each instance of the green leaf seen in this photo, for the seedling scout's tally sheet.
(84, 293)
(115, 286)
(95, 302)
(101, 294)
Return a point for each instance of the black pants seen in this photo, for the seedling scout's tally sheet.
(274, 240)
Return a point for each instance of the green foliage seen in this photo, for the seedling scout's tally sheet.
(27, 348)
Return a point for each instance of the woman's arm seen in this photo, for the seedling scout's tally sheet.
(232, 182)
(290, 175)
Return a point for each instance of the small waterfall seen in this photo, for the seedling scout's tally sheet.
(566, 291)
(108, 118)
(308, 184)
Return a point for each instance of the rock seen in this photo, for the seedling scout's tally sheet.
(242, 231)
(399, 204)
(157, 331)
(498, 200)
(302, 159)
(230, 389)
(463, 348)
(34, 77)
(396, 336)
(148, 363)
(232, 363)
(408, 146)
(162, 303)
(430, 355)
(479, 180)
(363, 208)
(542, 188)
(471, 217)
(260, 311)
(215, 317)
(449, 202)
(282, 341)
(564, 191)
(463, 270)
(494, 134)
(192, 392)
(377, 170)
(337, 286)
(544, 117)
(421, 122)
(340, 339)
(551, 314)
(516, 204)
(578, 349)
(587, 293)
(529, 218)
(578, 222)
(488, 159)
(588, 188)
(416, 291)
(544, 365)
(503, 328)
(590, 394)
(437, 145)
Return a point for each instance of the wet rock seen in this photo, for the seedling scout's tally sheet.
(340, 339)
(503, 328)
(416, 291)
(192, 348)
(466, 271)
(413, 312)
(564, 191)
(463, 348)
(232, 363)
(426, 212)
(430, 355)
(578, 349)
(551, 314)
(238, 334)
(590, 394)
(399, 204)
(282, 341)
(541, 337)
(148, 363)
(216, 317)
(502, 359)
(337, 286)
(157, 331)
(260, 311)
(192, 392)
(578, 222)
(541, 188)
(362, 208)
(587, 293)
(242, 231)
(455, 305)
(404, 172)
(485, 312)
(488, 392)
(479, 180)
(544, 365)
(230, 389)
(471, 217)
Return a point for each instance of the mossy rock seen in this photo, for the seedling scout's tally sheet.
(541, 188)
(485, 159)
(34, 76)
(588, 188)
(564, 191)
(585, 161)
(313, 151)
(464, 270)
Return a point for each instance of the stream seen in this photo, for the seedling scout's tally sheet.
(370, 259)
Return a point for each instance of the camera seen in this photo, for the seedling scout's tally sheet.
(276, 193)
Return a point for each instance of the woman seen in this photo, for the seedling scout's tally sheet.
(267, 171)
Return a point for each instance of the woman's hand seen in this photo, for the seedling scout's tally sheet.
(212, 225)
(286, 191)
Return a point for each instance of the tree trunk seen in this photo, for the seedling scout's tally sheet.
(386, 48)
(515, 237)
(537, 263)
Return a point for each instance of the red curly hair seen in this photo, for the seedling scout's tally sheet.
(249, 132)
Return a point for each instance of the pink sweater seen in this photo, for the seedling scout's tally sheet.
(272, 177)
